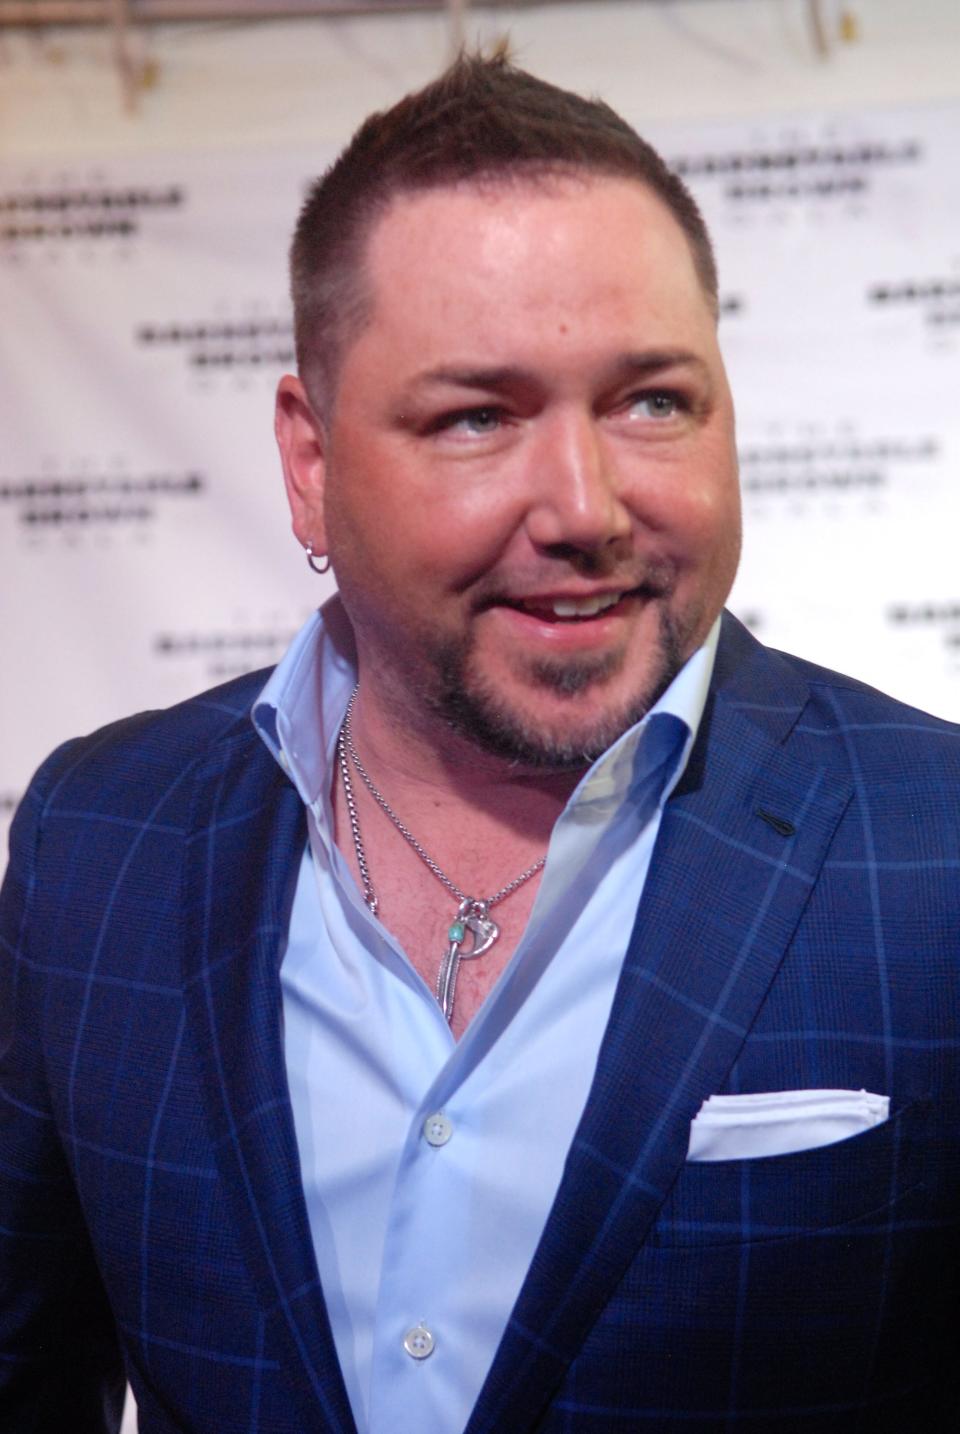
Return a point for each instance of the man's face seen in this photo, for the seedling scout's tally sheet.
(527, 482)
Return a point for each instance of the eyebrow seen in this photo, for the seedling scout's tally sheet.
(651, 361)
(505, 376)
(642, 364)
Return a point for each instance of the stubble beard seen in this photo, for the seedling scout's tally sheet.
(473, 708)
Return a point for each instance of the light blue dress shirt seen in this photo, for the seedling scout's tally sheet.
(430, 1165)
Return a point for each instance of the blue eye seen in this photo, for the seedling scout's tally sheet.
(658, 403)
(478, 421)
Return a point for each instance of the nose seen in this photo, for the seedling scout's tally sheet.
(576, 504)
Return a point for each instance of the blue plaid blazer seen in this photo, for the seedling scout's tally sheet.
(799, 929)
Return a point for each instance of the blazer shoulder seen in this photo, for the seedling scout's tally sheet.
(855, 706)
(124, 765)
(830, 716)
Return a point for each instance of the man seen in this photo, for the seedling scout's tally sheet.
(542, 1014)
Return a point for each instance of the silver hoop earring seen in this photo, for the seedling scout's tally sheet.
(324, 564)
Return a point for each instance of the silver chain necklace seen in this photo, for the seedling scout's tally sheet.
(472, 913)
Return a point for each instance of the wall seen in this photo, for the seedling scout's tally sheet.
(238, 85)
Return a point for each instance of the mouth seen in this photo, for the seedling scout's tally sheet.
(568, 608)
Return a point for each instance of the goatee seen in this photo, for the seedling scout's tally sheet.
(473, 709)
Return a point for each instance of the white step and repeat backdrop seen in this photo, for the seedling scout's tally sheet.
(144, 545)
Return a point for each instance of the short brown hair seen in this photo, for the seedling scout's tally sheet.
(481, 119)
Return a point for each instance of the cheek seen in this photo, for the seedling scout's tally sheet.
(465, 521)
(708, 501)
(391, 548)
(716, 537)
(363, 515)
(695, 520)
(701, 534)
(716, 517)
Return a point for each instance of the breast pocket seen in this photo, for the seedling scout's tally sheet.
(800, 1288)
(791, 1294)
(783, 1197)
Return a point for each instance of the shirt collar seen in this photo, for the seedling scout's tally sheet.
(299, 712)
(655, 748)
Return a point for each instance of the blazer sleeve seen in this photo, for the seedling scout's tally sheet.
(60, 1365)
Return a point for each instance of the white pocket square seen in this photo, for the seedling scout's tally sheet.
(780, 1122)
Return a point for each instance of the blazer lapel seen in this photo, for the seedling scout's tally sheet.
(723, 896)
(240, 874)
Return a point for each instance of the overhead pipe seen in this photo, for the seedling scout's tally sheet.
(99, 12)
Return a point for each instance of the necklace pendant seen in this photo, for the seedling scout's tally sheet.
(471, 917)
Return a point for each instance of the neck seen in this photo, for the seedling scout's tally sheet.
(429, 767)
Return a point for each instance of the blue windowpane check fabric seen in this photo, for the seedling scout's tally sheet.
(150, 1199)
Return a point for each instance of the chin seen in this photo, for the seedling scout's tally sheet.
(566, 713)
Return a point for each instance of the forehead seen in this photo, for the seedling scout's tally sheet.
(487, 255)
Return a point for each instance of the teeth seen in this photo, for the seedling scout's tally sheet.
(584, 607)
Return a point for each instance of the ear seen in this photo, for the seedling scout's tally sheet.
(301, 440)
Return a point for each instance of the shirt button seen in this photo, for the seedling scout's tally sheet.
(437, 1129)
(418, 1342)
